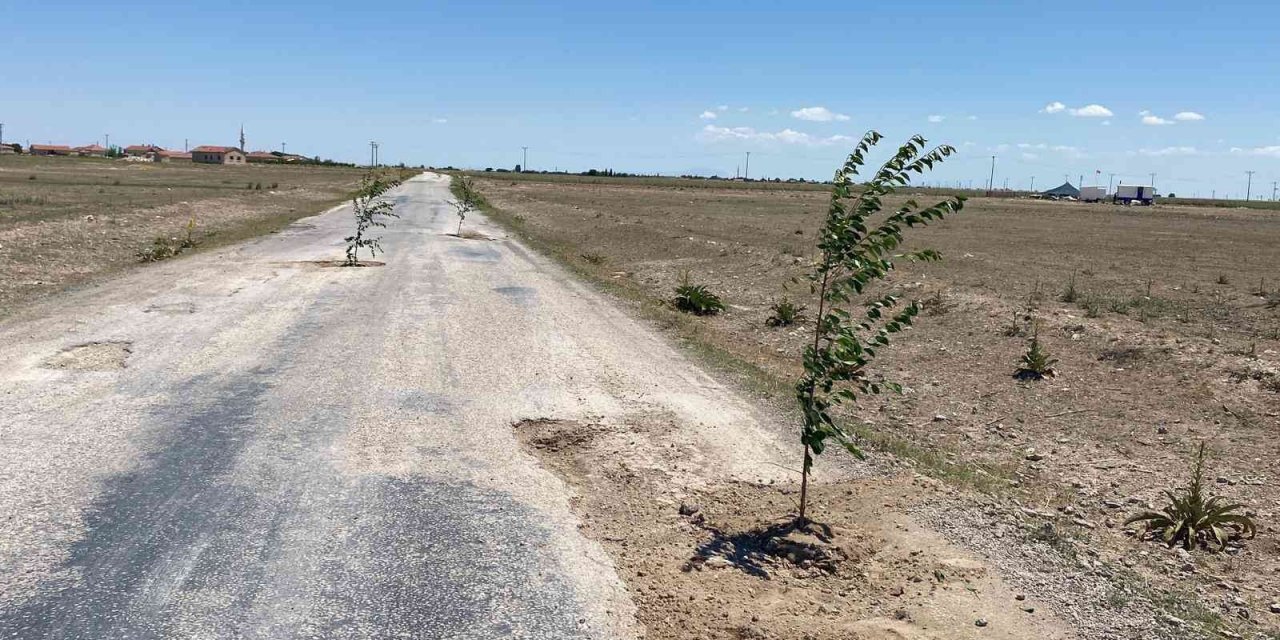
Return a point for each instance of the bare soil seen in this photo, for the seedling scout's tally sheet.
(67, 221)
(1171, 336)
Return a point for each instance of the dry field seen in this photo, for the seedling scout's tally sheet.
(64, 221)
(1170, 337)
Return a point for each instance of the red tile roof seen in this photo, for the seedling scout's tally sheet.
(144, 148)
(204, 148)
(50, 147)
(91, 147)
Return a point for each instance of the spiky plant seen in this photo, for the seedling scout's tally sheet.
(1036, 363)
(1192, 520)
(785, 314)
(696, 298)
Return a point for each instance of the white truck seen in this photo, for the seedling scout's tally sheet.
(1092, 194)
(1132, 193)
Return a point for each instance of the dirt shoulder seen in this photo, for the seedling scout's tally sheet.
(1164, 342)
(68, 221)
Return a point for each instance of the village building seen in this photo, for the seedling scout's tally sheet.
(142, 150)
(178, 156)
(50, 150)
(91, 150)
(207, 154)
(262, 156)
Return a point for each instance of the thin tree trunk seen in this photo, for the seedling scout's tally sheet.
(804, 486)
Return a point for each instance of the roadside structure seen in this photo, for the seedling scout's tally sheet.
(210, 154)
(91, 150)
(1065, 190)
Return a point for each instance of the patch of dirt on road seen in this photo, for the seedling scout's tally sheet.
(94, 356)
(717, 559)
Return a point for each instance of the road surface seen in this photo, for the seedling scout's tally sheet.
(245, 444)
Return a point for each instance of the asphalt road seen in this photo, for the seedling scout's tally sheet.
(254, 446)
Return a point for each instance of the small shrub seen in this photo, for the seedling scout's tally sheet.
(1069, 295)
(275, 185)
(594, 258)
(1222, 279)
(115, 183)
(697, 299)
(1092, 306)
(31, 177)
(257, 187)
(249, 187)
(785, 314)
(1015, 328)
(1194, 520)
(936, 305)
(160, 249)
(1036, 363)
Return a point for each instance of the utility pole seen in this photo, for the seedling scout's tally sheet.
(108, 140)
(1032, 189)
(283, 146)
(185, 145)
(1, 133)
(1248, 189)
(1153, 181)
(746, 173)
(1273, 190)
(1110, 177)
(1081, 185)
(373, 153)
(242, 144)
(524, 159)
(991, 181)
(1006, 184)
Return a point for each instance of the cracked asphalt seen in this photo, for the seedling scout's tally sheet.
(245, 444)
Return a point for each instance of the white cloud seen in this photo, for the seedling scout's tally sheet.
(723, 107)
(744, 109)
(1169, 151)
(972, 118)
(1154, 121)
(1106, 123)
(708, 115)
(1091, 111)
(1087, 111)
(1029, 156)
(440, 120)
(1272, 151)
(818, 114)
(712, 133)
(1187, 116)
(937, 119)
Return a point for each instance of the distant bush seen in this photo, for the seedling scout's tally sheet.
(594, 258)
(785, 314)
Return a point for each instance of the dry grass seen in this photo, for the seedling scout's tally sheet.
(65, 221)
(1150, 350)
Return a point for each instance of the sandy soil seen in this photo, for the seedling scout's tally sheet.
(1170, 338)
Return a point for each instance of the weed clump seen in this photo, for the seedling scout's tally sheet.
(696, 298)
(1193, 519)
(785, 314)
(1036, 363)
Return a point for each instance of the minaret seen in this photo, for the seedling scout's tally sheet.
(242, 147)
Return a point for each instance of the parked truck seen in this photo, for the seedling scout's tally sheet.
(1092, 194)
(1132, 193)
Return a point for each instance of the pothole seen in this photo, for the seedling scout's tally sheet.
(92, 356)
(469, 235)
(328, 264)
(172, 308)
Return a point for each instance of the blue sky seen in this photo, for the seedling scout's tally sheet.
(669, 87)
